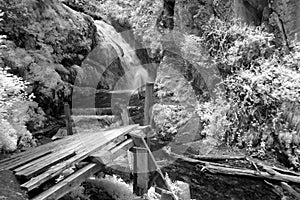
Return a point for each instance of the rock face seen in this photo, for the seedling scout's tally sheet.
(10, 188)
(289, 12)
(44, 40)
(284, 13)
(250, 11)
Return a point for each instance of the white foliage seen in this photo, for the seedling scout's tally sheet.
(8, 136)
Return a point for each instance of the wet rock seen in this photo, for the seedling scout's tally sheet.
(289, 12)
(10, 188)
(193, 127)
(202, 147)
(250, 11)
(44, 39)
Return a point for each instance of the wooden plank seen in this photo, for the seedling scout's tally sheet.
(52, 172)
(57, 169)
(152, 163)
(140, 171)
(40, 149)
(148, 102)
(17, 163)
(166, 196)
(68, 118)
(107, 156)
(69, 183)
(124, 146)
(33, 170)
(50, 156)
(102, 139)
(54, 146)
(97, 111)
(40, 165)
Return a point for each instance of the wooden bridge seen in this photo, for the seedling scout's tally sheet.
(89, 152)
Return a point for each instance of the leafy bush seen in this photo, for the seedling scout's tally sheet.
(168, 119)
(12, 126)
(259, 83)
(235, 46)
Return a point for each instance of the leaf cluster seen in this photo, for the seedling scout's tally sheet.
(259, 82)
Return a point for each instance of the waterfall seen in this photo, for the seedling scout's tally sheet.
(112, 65)
(135, 74)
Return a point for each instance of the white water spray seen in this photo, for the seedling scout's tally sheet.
(135, 74)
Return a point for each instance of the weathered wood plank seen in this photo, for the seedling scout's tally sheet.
(52, 172)
(107, 156)
(99, 140)
(56, 145)
(48, 157)
(148, 103)
(94, 145)
(32, 169)
(68, 118)
(252, 173)
(97, 111)
(10, 165)
(69, 183)
(140, 170)
(57, 169)
(153, 166)
(53, 146)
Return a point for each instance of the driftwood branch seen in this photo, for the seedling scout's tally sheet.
(254, 174)
(218, 168)
(218, 158)
(291, 190)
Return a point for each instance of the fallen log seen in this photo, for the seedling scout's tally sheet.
(291, 190)
(218, 168)
(252, 173)
(218, 158)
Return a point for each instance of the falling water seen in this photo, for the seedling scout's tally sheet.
(135, 75)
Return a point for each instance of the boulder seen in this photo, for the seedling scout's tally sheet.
(289, 12)
(44, 39)
(10, 188)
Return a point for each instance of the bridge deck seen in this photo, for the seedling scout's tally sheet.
(35, 167)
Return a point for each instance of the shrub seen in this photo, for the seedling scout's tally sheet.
(12, 126)
(168, 119)
(259, 83)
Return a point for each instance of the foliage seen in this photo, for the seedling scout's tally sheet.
(140, 15)
(258, 83)
(168, 118)
(234, 46)
(12, 92)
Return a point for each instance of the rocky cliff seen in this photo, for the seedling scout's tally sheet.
(44, 40)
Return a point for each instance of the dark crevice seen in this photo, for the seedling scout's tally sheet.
(166, 18)
(282, 29)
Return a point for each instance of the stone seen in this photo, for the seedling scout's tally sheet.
(45, 38)
(10, 188)
(202, 147)
(289, 12)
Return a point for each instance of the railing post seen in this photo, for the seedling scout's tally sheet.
(140, 171)
(148, 102)
(68, 118)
